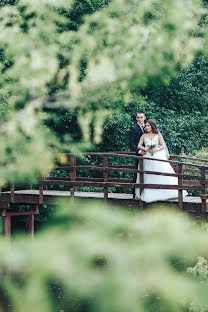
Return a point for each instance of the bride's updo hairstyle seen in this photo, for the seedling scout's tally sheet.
(153, 125)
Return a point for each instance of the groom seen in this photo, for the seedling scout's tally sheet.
(135, 134)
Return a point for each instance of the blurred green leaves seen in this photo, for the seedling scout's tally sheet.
(102, 259)
(136, 42)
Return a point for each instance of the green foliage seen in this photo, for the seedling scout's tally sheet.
(187, 92)
(7, 2)
(78, 11)
(104, 260)
(76, 54)
(154, 36)
(184, 132)
(20, 158)
(203, 153)
(115, 135)
(200, 272)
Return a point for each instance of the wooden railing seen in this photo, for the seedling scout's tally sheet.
(191, 176)
(202, 171)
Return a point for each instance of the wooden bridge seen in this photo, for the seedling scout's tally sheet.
(111, 173)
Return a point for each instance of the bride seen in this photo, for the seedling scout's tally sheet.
(153, 144)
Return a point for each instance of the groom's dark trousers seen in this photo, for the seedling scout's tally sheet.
(134, 138)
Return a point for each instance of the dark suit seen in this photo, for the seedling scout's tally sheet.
(134, 138)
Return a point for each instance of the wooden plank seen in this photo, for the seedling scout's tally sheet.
(188, 176)
(53, 193)
(132, 155)
(23, 199)
(100, 168)
(140, 157)
(189, 158)
(21, 213)
(191, 182)
(101, 180)
(192, 170)
(121, 166)
(123, 179)
(122, 185)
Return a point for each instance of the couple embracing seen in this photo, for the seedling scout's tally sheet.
(147, 141)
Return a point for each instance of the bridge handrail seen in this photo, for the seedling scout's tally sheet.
(127, 170)
(133, 156)
(72, 181)
(171, 156)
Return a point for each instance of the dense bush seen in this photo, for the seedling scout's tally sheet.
(184, 132)
(187, 92)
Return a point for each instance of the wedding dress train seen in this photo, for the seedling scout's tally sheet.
(153, 195)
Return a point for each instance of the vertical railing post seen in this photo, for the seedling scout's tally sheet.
(7, 224)
(180, 184)
(141, 180)
(203, 194)
(105, 175)
(73, 174)
(45, 186)
(12, 193)
(40, 190)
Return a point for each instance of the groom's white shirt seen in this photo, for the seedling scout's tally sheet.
(141, 126)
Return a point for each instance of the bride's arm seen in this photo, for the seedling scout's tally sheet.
(140, 145)
(161, 145)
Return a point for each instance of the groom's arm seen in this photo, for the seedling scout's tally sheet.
(132, 140)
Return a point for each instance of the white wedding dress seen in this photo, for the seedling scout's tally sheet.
(153, 195)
